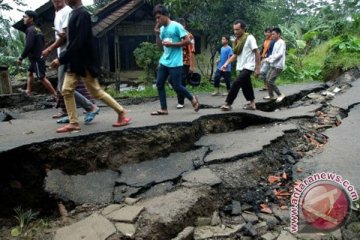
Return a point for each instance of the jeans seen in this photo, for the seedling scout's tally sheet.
(95, 90)
(218, 75)
(175, 74)
(243, 81)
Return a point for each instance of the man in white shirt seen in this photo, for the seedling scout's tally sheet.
(247, 54)
(277, 64)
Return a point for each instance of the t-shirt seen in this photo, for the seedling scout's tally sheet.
(172, 56)
(277, 57)
(225, 54)
(246, 60)
(61, 22)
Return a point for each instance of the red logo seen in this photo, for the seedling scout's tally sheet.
(325, 206)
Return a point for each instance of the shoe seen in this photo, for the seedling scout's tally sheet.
(225, 107)
(89, 117)
(159, 112)
(59, 115)
(63, 120)
(179, 106)
(249, 107)
(215, 94)
(224, 94)
(196, 105)
(123, 122)
(269, 98)
(263, 89)
(68, 128)
(280, 98)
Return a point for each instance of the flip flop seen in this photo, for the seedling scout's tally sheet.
(225, 107)
(159, 112)
(249, 107)
(63, 120)
(89, 117)
(124, 122)
(68, 128)
(59, 115)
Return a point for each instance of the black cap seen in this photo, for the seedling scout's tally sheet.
(31, 14)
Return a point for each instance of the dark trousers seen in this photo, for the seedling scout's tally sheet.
(175, 74)
(185, 73)
(243, 81)
(226, 75)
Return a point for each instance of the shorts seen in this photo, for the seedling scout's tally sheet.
(38, 67)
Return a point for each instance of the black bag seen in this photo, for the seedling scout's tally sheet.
(194, 79)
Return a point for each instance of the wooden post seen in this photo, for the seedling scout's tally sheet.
(5, 84)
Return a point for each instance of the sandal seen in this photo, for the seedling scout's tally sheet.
(89, 117)
(59, 115)
(159, 112)
(225, 107)
(123, 122)
(63, 120)
(249, 107)
(196, 105)
(68, 128)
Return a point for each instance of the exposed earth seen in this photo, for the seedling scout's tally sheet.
(187, 175)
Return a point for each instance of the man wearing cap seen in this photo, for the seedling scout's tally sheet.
(33, 48)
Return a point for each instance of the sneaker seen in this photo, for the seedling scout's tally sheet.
(179, 106)
(215, 94)
(280, 98)
(225, 94)
(269, 98)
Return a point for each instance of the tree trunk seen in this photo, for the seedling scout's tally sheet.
(5, 84)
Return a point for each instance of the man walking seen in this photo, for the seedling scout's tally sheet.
(277, 64)
(247, 54)
(61, 20)
(173, 37)
(266, 52)
(81, 61)
(33, 47)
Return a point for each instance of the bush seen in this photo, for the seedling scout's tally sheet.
(147, 57)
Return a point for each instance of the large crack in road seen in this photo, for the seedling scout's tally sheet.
(181, 170)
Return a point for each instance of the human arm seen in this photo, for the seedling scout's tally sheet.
(257, 62)
(58, 43)
(230, 60)
(277, 52)
(29, 44)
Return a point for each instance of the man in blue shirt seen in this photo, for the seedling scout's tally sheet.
(172, 36)
(225, 53)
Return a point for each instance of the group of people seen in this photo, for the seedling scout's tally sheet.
(78, 66)
(267, 64)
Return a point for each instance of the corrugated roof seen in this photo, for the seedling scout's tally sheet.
(115, 17)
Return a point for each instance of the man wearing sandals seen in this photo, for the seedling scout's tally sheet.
(62, 12)
(82, 62)
(247, 54)
(173, 37)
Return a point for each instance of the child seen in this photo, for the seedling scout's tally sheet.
(225, 54)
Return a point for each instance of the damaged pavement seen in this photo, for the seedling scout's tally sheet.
(186, 175)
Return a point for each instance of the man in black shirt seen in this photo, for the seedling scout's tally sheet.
(33, 48)
(81, 60)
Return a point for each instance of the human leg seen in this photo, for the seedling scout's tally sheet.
(175, 75)
(217, 83)
(227, 79)
(97, 92)
(30, 80)
(185, 72)
(162, 75)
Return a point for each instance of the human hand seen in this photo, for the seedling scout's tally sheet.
(55, 63)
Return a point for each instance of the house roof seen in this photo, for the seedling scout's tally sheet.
(113, 13)
(40, 11)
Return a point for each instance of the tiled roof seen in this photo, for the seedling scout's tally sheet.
(116, 16)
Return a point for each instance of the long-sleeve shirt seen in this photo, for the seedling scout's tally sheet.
(34, 43)
(80, 53)
(277, 57)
